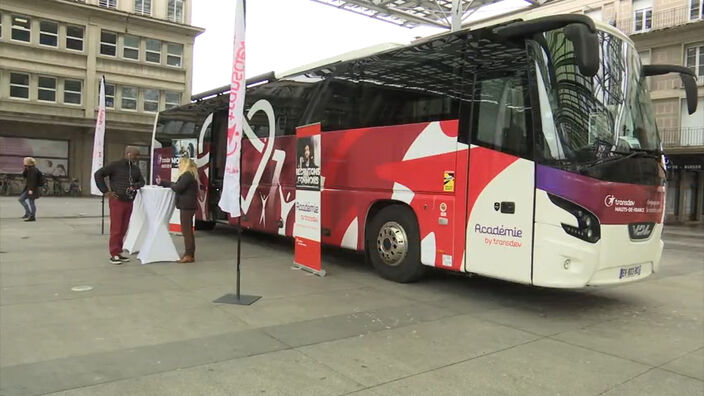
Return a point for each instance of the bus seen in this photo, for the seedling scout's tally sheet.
(524, 150)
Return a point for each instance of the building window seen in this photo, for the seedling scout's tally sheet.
(47, 89)
(108, 3)
(175, 11)
(74, 38)
(643, 19)
(129, 98)
(108, 43)
(173, 99)
(130, 48)
(72, 91)
(109, 96)
(153, 51)
(174, 54)
(695, 60)
(143, 7)
(19, 85)
(49, 33)
(21, 28)
(696, 9)
(151, 100)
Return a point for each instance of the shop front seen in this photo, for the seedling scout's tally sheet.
(685, 188)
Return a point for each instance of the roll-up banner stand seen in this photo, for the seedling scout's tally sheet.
(306, 229)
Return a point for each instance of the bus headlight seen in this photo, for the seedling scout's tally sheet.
(588, 228)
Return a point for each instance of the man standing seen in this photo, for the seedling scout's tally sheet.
(125, 180)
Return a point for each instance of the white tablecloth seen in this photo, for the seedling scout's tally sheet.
(137, 230)
(148, 231)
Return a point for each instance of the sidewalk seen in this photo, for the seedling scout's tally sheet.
(55, 207)
(153, 329)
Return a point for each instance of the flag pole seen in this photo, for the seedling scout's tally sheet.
(237, 298)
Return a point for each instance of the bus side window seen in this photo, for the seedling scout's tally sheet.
(502, 115)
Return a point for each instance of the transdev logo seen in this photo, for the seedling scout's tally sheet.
(611, 200)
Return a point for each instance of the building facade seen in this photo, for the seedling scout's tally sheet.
(53, 54)
(664, 32)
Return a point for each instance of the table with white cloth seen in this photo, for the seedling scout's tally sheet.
(148, 231)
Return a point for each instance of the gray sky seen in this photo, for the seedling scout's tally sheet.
(283, 34)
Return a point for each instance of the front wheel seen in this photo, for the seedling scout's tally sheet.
(393, 244)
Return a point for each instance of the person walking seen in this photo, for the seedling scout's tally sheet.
(125, 180)
(32, 182)
(186, 188)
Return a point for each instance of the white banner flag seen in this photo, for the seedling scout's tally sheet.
(230, 197)
(99, 139)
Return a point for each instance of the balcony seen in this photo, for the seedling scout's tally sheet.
(682, 137)
(661, 19)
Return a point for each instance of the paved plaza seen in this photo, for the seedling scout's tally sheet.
(153, 329)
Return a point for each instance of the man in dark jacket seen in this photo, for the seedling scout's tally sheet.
(125, 180)
(32, 177)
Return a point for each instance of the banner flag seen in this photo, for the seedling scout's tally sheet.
(230, 197)
(98, 140)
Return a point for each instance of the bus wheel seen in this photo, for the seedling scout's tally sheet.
(393, 244)
(201, 225)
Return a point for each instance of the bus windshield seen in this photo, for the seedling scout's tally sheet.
(588, 119)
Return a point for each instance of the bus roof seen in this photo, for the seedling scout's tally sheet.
(359, 53)
(385, 47)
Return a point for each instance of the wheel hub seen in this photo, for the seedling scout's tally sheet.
(392, 243)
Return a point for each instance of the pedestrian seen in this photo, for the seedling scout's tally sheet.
(186, 188)
(125, 180)
(32, 182)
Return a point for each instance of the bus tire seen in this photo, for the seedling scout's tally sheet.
(201, 225)
(393, 244)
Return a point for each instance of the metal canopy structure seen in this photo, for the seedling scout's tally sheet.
(448, 14)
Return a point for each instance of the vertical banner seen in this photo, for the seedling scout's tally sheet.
(306, 229)
(230, 197)
(98, 140)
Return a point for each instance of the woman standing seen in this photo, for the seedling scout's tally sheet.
(186, 188)
(32, 177)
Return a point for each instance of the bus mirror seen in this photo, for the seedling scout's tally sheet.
(686, 75)
(586, 48)
(579, 29)
(690, 88)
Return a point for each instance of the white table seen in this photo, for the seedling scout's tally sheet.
(148, 231)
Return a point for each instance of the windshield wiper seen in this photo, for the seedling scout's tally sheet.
(641, 153)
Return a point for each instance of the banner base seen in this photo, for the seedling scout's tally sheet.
(232, 298)
(320, 273)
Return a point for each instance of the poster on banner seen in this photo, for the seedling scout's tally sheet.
(306, 229)
(183, 148)
(162, 164)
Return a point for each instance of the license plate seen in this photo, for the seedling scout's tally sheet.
(629, 272)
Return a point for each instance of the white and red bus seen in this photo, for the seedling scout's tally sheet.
(526, 150)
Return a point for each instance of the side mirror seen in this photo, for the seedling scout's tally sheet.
(579, 29)
(686, 75)
(586, 48)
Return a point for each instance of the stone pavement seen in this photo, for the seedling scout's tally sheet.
(152, 329)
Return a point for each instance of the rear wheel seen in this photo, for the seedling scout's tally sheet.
(393, 244)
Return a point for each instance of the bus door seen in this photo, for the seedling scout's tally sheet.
(499, 237)
(217, 163)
